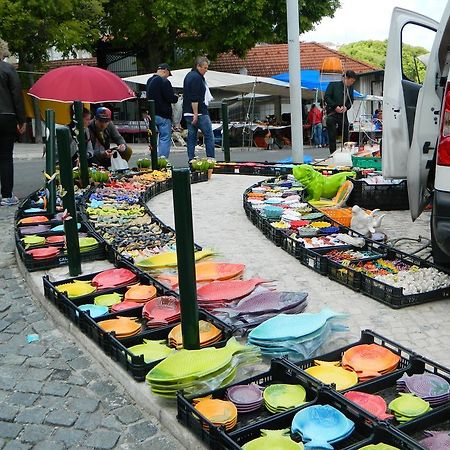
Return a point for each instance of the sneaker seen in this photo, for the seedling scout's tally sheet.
(11, 201)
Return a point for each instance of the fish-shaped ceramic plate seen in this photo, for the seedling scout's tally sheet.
(76, 288)
(328, 374)
(227, 290)
(374, 404)
(113, 277)
(108, 300)
(169, 259)
(436, 440)
(151, 350)
(273, 440)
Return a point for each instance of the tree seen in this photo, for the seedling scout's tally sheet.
(167, 30)
(32, 27)
(374, 52)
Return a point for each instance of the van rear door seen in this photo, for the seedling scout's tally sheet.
(399, 96)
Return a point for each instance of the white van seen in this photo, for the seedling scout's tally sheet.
(416, 125)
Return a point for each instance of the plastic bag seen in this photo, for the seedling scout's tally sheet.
(177, 112)
(117, 162)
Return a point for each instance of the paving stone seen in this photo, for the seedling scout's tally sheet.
(61, 417)
(9, 430)
(77, 380)
(33, 350)
(15, 445)
(29, 386)
(39, 362)
(20, 398)
(7, 383)
(80, 363)
(142, 431)
(89, 422)
(16, 327)
(77, 392)
(102, 439)
(49, 445)
(55, 388)
(51, 402)
(3, 324)
(84, 405)
(4, 307)
(69, 436)
(32, 415)
(61, 375)
(8, 413)
(112, 422)
(128, 414)
(162, 443)
(36, 433)
(39, 374)
(102, 389)
(14, 359)
(41, 326)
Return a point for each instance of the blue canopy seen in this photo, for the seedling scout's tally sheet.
(310, 79)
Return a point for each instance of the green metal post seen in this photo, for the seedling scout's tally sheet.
(185, 255)
(50, 166)
(84, 170)
(225, 133)
(70, 226)
(154, 136)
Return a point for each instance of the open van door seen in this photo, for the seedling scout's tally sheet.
(399, 96)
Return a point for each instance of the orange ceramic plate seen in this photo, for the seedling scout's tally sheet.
(140, 293)
(125, 326)
(34, 219)
(219, 412)
(208, 333)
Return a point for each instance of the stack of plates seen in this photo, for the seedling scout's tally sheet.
(140, 293)
(33, 240)
(436, 440)
(322, 425)
(43, 252)
(294, 335)
(246, 397)
(370, 360)
(209, 334)
(430, 387)
(34, 219)
(331, 373)
(408, 407)
(161, 311)
(60, 228)
(57, 240)
(27, 230)
(261, 306)
(220, 413)
(87, 244)
(282, 397)
(220, 293)
(273, 439)
(94, 310)
(374, 404)
(197, 371)
(76, 288)
(113, 278)
(123, 306)
(151, 350)
(383, 446)
(108, 300)
(122, 326)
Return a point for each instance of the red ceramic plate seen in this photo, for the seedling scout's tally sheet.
(43, 253)
(113, 278)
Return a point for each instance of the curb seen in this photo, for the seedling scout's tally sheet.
(158, 408)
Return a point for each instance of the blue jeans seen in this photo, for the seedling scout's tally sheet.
(204, 124)
(165, 135)
(317, 134)
(324, 136)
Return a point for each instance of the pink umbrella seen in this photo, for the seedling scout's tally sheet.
(85, 83)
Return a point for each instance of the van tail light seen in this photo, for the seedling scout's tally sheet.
(443, 149)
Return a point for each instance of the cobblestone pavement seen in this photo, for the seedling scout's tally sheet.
(53, 395)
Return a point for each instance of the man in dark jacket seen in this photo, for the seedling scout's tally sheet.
(196, 97)
(101, 133)
(12, 119)
(339, 99)
(160, 90)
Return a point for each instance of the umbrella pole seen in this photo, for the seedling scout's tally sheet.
(153, 135)
(225, 133)
(68, 198)
(50, 166)
(182, 205)
(84, 170)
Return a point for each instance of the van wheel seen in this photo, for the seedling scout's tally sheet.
(439, 257)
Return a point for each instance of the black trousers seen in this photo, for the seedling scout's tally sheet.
(334, 128)
(8, 124)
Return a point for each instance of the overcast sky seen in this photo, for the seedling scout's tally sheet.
(359, 20)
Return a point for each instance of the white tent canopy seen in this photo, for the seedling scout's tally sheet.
(225, 81)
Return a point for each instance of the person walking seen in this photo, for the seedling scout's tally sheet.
(12, 119)
(196, 98)
(339, 99)
(315, 120)
(161, 91)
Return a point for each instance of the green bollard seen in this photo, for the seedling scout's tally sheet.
(154, 135)
(70, 226)
(50, 166)
(84, 170)
(225, 133)
(185, 255)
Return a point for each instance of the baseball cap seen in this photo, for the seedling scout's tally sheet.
(165, 66)
(103, 114)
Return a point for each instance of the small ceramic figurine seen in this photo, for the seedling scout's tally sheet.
(365, 223)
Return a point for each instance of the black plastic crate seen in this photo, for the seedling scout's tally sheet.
(315, 258)
(385, 435)
(279, 372)
(293, 247)
(198, 177)
(344, 275)
(379, 196)
(364, 426)
(436, 420)
(367, 337)
(136, 364)
(274, 234)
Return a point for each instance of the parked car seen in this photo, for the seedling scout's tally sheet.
(416, 126)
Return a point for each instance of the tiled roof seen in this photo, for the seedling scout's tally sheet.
(268, 60)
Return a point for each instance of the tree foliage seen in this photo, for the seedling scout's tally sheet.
(31, 27)
(374, 52)
(174, 31)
